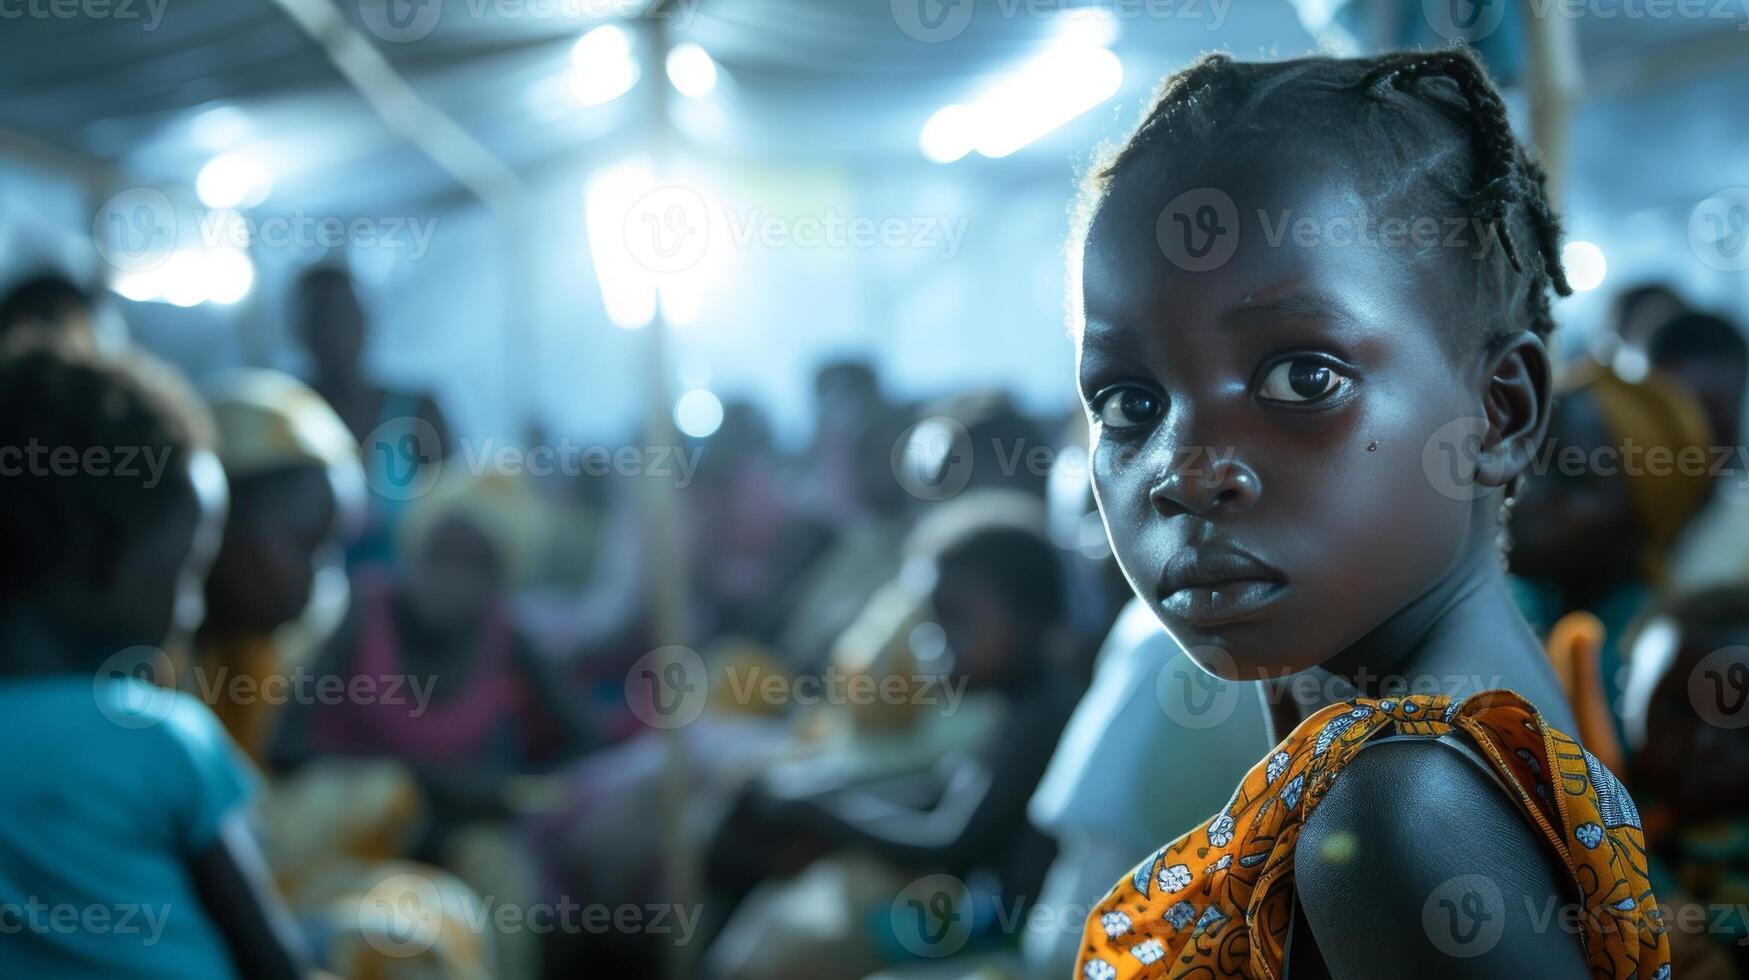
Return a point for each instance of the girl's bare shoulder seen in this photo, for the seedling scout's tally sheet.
(1417, 855)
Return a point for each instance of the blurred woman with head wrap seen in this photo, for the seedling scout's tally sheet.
(294, 477)
(275, 588)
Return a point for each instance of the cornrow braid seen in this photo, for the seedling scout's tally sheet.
(1451, 142)
(1180, 89)
(1506, 176)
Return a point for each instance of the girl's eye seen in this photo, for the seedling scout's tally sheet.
(1300, 380)
(1124, 408)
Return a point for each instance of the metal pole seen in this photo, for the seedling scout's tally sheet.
(664, 548)
(1556, 84)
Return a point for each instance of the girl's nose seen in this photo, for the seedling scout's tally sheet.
(1204, 484)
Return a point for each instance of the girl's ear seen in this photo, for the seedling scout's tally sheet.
(1515, 401)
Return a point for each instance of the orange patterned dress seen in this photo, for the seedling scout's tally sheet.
(1218, 901)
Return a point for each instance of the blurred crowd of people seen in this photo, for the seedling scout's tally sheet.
(354, 695)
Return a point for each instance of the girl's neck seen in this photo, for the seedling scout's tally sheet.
(1462, 636)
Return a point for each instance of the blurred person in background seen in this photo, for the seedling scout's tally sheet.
(1689, 683)
(1635, 314)
(1096, 587)
(745, 521)
(476, 707)
(610, 835)
(332, 829)
(1592, 531)
(124, 795)
(401, 432)
(847, 398)
(52, 304)
(458, 694)
(976, 440)
(294, 478)
(996, 600)
(1707, 355)
(865, 550)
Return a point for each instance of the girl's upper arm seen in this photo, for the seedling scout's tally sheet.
(1417, 862)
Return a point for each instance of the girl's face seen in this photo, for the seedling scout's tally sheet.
(1261, 428)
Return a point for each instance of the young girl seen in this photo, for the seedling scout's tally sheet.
(123, 844)
(1316, 297)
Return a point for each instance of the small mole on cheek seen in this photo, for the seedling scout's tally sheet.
(1373, 446)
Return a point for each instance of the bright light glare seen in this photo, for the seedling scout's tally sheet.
(603, 67)
(691, 70)
(682, 300)
(948, 135)
(190, 277)
(1091, 26)
(1585, 265)
(229, 275)
(628, 289)
(219, 127)
(698, 413)
(233, 180)
(650, 243)
(1054, 88)
(1071, 77)
(141, 287)
(183, 278)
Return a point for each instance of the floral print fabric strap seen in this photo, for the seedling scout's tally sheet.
(1218, 902)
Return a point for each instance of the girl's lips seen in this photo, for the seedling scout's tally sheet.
(1220, 603)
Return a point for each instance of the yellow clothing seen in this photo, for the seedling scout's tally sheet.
(1218, 901)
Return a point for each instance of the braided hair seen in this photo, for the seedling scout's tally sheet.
(1431, 124)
